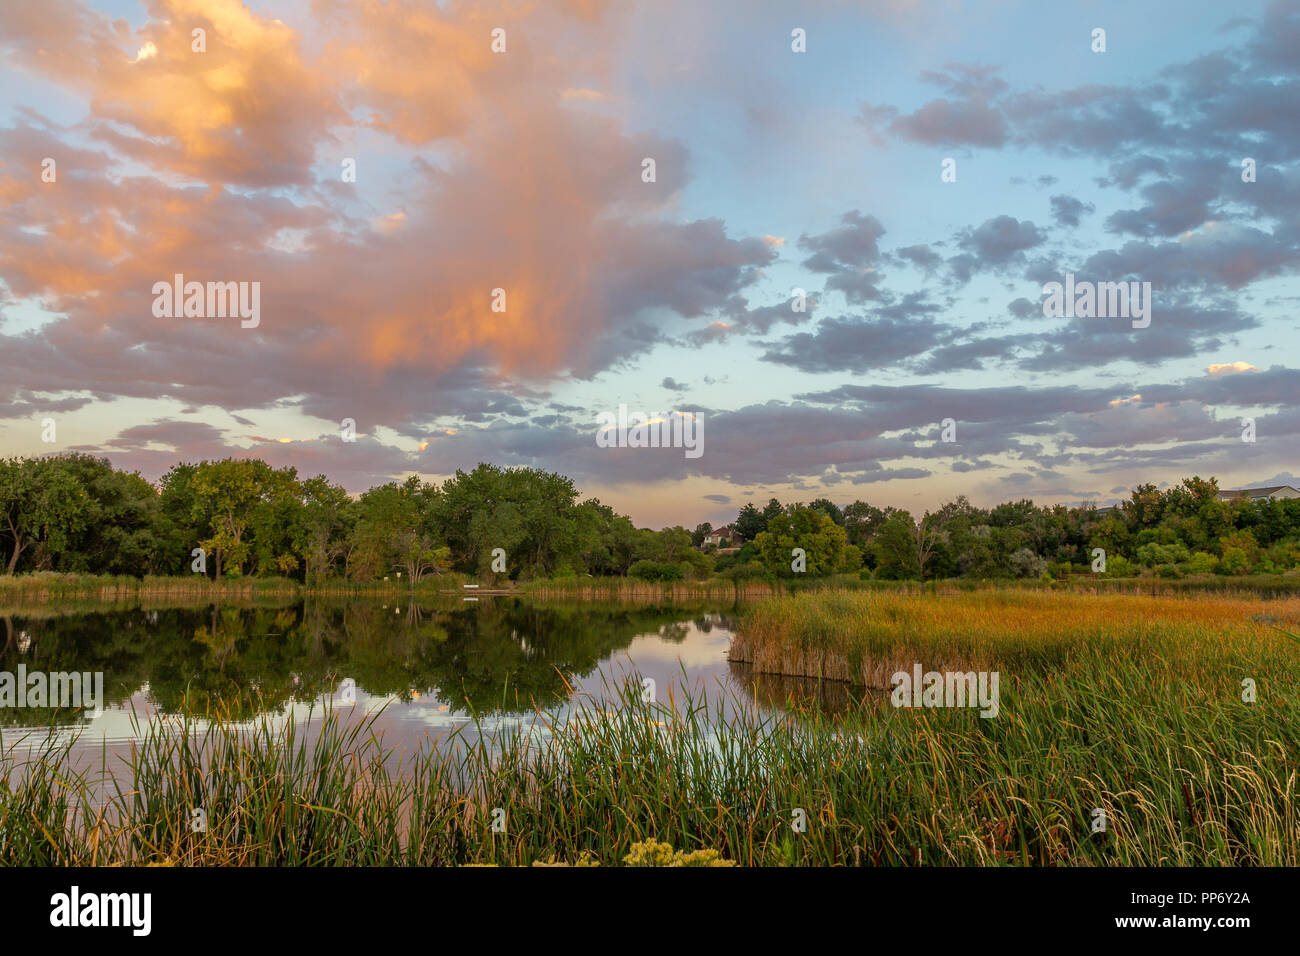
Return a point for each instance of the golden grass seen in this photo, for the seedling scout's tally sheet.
(865, 636)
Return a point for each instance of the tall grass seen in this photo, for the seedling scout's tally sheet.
(1126, 704)
(632, 590)
(45, 587)
(54, 588)
(1185, 776)
(864, 637)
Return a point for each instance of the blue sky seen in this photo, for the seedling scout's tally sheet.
(775, 170)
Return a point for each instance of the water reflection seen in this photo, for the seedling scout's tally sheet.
(430, 667)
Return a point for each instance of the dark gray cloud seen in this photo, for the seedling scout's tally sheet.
(962, 118)
(1022, 308)
(1179, 329)
(847, 247)
(1068, 211)
(737, 318)
(847, 343)
(921, 256)
(1000, 240)
(969, 355)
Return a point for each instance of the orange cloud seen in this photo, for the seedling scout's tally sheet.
(368, 311)
(246, 110)
(1230, 368)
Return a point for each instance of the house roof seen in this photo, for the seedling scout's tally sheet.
(1255, 492)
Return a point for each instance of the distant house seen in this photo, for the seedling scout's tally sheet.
(1272, 493)
(722, 538)
(1108, 510)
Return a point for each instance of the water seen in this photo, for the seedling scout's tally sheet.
(420, 671)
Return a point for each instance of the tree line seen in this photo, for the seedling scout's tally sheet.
(77, 513)
(1184, 529)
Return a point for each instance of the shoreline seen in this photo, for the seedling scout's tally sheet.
(45, 589)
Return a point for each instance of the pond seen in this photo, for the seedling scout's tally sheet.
(418, 671)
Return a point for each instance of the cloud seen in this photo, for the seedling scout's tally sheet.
(848, 247)
(250, 110)
(1068, 211)
(1231, 368)
(1000, 240)
(391, 324)
(846, 343)
(966, 118)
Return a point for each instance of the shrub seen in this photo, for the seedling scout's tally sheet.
(749, 571)
(1118, 566)
(656, 571)
(1235, 561)
(1026, 564)
(1155, 554)
(653, 853)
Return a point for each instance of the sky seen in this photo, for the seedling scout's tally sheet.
(458, 244)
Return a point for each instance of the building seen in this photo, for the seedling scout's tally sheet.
(1272, 493)
(722, 538)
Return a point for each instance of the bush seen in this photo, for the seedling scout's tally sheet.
(653, 853)
(1235, 561)
(749, 571)
(1154, 554)
(656, 571)
(1026, 564)
(1118, 566)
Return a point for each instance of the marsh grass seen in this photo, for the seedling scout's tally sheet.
(864, 637)
(1153, 731)
(87, 591)
(22, 592)
(631, 590)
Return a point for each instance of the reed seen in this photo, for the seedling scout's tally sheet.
(1186, 773)
(17, 591)
(633, 591)
(52, 588)
(864, 637)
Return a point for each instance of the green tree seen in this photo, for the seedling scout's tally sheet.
(120, 531)
(42, 508)
(828, 508)
(326, 519)
(862, 522)
(823, 541)
(750, 523)
(905, 546)
(225, 494)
